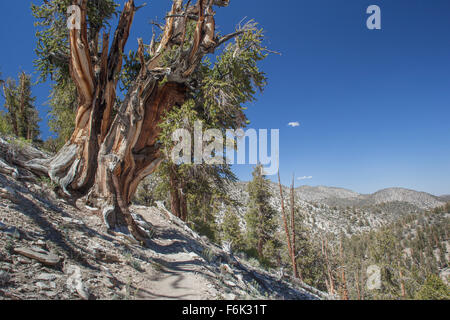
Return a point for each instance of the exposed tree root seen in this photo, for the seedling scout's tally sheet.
(107, 156)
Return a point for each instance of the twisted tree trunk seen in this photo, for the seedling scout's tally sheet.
(107, 157)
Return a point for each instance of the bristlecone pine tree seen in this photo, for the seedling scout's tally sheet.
(21, 115)
(113, 147)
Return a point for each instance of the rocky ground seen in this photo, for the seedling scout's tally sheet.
(52, 249)
(341, 211)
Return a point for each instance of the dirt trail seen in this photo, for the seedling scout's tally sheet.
(96, 264)
(178, 274)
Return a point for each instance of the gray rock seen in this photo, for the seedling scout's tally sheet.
(5, 266)
(43, 286)
(230, 296)
(230, 283)
(101, 253)
(108, 283)
(75, 282)
(9, 193)
(47, 277)
(41, 244)
(51, 294)
(23, 260)
(73, 221)
(225, 269)
(12, 232)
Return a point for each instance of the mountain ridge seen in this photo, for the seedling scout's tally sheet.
(338, 196)
(337, 210)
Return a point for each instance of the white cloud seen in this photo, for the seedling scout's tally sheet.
(294, 124)
(305, 178)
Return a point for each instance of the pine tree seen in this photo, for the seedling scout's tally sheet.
(11, 104)
(5, 125)
(21, 112)
(28, 117)
(260, 217)
(433, 289)
(231, 230)
(173, 69)
(63, 106)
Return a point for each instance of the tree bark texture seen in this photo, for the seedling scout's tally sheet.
(108, 156)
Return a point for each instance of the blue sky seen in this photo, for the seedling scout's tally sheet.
(373, 105)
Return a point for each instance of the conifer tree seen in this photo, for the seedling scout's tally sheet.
(21, 112)
(260, 217)
(5, 125)
(63, 106)
(231, 230)
(11, 104)
(433, 289)
(169, 72)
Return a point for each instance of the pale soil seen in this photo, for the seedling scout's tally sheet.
(176, 264)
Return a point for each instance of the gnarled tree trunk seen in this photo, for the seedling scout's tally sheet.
(107, 157)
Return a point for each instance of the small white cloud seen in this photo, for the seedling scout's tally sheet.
(294, 124)
(305, 178)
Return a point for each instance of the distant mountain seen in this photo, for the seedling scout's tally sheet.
(347, 198)
(445, 198)
(337, 210)
(420, 199)
(308, 193)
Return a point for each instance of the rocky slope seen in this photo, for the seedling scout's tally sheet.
(338, 210)
(52, 249)
(344, 198)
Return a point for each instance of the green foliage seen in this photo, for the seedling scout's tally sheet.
(22, 118)
(205, 227)
(5, 125)
(52, 61)
(209, 255)
(309, 261)
(444, 209)
(407, 253)
(202, 184)
(434, 289)
(233, 79)
(144, 195)
(231, 230)
(52, 36)
(63, 103)
(52, 39)
(260, 217)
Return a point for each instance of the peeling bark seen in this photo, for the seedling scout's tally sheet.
(107, 157)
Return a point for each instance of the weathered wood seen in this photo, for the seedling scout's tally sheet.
(107, 157)
(44, 257)
(290, 242)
